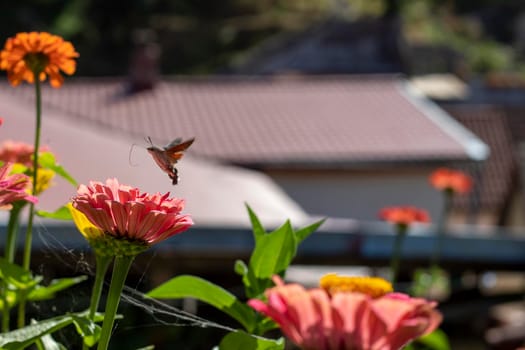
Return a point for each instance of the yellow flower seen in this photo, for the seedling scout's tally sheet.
(44, 180)
(86, 228)
(375, 287)
(41, 54)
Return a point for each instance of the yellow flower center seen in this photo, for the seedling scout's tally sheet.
(36, 62)
(375, 287)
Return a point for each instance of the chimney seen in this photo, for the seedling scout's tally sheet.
(144, 62)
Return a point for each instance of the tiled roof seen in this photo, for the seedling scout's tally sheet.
(215, 194)
(316, 121)
(497, 173)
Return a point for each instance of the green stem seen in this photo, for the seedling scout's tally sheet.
(38, 127)
(441, 228)
(5, 309)
(102, 267)
(12, 231)
(120, 271)
(21, 321)
(29, 232)
(10, 249)
(395, 261)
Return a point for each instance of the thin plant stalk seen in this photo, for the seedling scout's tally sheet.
(38, 127)
(102, 262)
(10, 248)
(395, 261)
(12, 231)
(29, 231)
(440, 229)
(120, 271)
(5, 309)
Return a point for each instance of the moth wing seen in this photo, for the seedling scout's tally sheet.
(173, 143)
(176, 151)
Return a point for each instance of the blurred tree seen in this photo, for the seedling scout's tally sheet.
(198, 36)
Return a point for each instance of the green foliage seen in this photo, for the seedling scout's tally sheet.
(242, 340)
(47, 292)
(436, 340)
(87, 329)
(23, 337)
(47, 160)
(430, 23)
(282, 242)
(38, 330)
(256, 277)
(198, 288)
(48, 343)
(17, 276)
(430, 283)
(62, 213)
(19, 280)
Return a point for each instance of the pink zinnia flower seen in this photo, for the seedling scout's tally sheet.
(19, 152)
(13, 187)
(316, 320)
(454, 181)
(124, 213)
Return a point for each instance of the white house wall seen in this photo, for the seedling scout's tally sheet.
(359, 196)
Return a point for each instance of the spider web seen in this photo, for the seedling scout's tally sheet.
(75, 261)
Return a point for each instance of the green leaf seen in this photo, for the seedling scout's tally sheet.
(436, 340)
(304, 232)
(87, 329)
(57, 285)
(257, 227)
(198, 288)
(47, 160)
(23, 337)
(149, 347)
(61, 213)
(244, 341)
(17, 276)
(282, 244)
(240, 268)
(48, 343)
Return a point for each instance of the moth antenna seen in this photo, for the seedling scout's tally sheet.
(148, 140)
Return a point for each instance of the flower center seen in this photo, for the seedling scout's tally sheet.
(36, 62)
(375, 287)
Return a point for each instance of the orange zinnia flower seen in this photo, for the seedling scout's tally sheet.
(347, 320)
(404, 215)
(41, 54)
(123, 221)
(454, 181)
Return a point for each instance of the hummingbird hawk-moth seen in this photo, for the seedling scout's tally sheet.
(167, 156)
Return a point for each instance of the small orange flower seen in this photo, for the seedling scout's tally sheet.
(454, 181)
(404, 215)
(41, 54)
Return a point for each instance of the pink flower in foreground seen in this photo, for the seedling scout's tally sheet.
(124, 213)
(314, 320)
(13, 187)
(19, 152)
